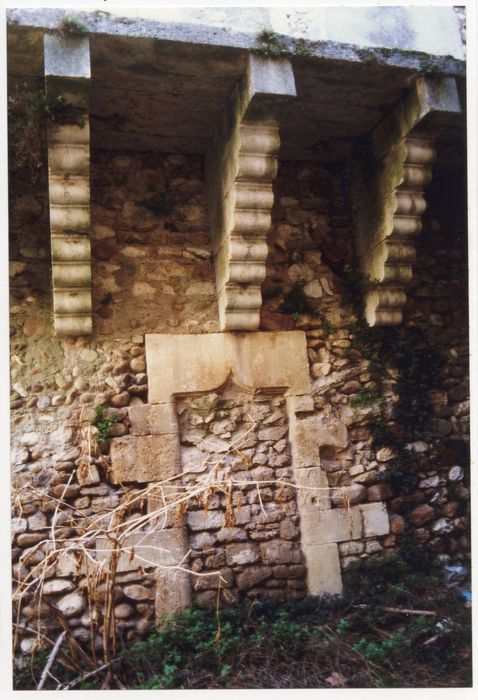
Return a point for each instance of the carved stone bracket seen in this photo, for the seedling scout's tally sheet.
(241, 165)
(67, 79)
(388, 188)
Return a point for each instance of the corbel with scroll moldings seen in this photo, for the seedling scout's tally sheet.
(390, 175)
(67, 79)
(241, 165)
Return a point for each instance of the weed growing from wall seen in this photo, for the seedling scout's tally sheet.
(29, 115)
(103, 423)
(271, 45)
(73, 26)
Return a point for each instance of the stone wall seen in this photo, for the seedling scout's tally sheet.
(153, 273)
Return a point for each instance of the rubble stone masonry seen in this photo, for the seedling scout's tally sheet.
(153, 273)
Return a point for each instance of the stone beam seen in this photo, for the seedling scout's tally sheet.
(67, 81)
(179, 365)
(241, 165)
(388, 186)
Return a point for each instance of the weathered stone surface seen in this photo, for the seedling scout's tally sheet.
(300, 404)
(27, 539)
(375, 519)
(350, 548)
(378, 492)
(88, 474)
(422, 514)
(351, 495)
(323, 569)
(239, 554)
(151, 549)
(280, 552)
(455, 473)
(145, 458)
(272, 433)
(139, 592)
(334, 525)
(312, 490)
(200, 520)
(443, 526)
(156, 419)
(120, 400)
(71, 604)
(384, 454)
(252, 576)
(397, 524)
(224, 578)
(429, 483)
(182, 364)
(215, 519)
(231, 534)
(173, 592)
(123, 611)
(307, 435)
(18, 526)
(57, 585)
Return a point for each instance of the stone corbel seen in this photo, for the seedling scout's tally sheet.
(67, 80)
(241, 165)
(388, 186)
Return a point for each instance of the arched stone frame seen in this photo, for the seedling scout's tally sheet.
(191, 365)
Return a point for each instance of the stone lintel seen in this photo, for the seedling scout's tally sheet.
(241, 165)
(144, 458)
(67, 76)
(195, 364)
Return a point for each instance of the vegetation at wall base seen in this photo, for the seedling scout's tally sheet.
(417, 633)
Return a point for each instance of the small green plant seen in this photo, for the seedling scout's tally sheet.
(302, 47)
(365, 397)
(103, 423)
(71, 25)
(343, 627)
(383, 651)
(271, 45)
